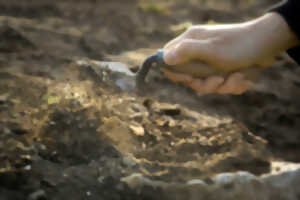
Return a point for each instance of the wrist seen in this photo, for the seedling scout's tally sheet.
(273, 33)
(287, 35)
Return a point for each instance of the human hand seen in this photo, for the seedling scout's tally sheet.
(229, 48)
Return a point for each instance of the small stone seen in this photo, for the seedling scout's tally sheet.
(4, 97)
(37, 195)
(101, 179)
(168, 109)
(6, 131)
(172, 123)
(137, 130)
(43, 147)
(136, 181)
(27, 167)
(136, 116)
(160, 122)
(239, 177)
(196, 182)
(129, 161)
(88, 193)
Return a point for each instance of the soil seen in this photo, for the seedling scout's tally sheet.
(67, 132)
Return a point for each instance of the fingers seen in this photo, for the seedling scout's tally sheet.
(235, 84)
(207, 86)
(176, 77)
(189, 49)
(170, 45)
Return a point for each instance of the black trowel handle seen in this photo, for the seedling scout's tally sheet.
(155, 60)
(195, 68)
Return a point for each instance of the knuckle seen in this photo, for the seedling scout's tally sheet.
(183, 46)
(193, 31)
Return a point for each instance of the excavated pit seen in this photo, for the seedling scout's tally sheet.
(68, 132)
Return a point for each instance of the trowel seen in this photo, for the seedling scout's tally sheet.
(126, 80)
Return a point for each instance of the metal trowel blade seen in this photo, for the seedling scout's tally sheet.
(119, 73)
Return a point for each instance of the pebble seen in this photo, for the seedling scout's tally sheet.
(240, 177)
(101, 179)
(37, 195)
(27, 167)
(129, 161)
(137, 130)
(6, 131)
(196, 182)
(4, 97)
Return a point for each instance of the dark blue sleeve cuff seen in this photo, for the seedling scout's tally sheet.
(295, 54)
(290, 11)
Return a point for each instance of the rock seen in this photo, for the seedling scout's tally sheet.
(100, 179)
(137, 180)
(37, 195)
(88, 193)
(3, 98)
(195, 181)
(137, 129)
(129, 161)
(167, 109)
(227, 186)
(27, 167)
(280, 167)
(240, 177)
(284, 185)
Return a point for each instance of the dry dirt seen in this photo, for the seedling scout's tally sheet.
(67, 132)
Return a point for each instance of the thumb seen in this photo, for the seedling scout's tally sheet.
(187, 50)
